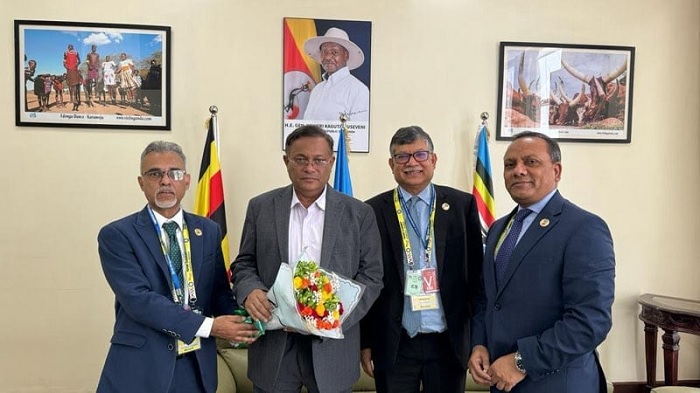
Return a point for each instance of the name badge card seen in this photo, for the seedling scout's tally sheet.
(430, 283)
(414, 283)
(424, 302)
(183, 348)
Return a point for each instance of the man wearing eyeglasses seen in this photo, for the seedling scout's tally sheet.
(167, 272)
(417, 333)
(333, 229)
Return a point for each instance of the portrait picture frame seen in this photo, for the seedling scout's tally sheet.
(92, 75)
(323, 94)
(570, 92)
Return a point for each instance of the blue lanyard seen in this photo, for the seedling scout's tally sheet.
(424, 240)
(177, 284)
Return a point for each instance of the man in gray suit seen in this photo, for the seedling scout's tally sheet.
(338, 232)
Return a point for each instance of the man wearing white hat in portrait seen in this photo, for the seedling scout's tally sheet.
(340, 92)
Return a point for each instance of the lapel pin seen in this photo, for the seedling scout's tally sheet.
(445, 206)
(544, 223)
(198, 232)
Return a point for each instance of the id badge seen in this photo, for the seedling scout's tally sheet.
(414, 283)
(424, 302)
(430, 282)
(183, 348)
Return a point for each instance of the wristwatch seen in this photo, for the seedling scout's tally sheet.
(519, 362)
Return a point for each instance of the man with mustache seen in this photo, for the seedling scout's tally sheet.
(549, 279)
(167, 271)
(340, 92)
(417, 333)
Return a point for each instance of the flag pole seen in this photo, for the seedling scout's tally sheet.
(215, 126)
(343, 119)
(482, 188)
(484, 119)
(341, 179)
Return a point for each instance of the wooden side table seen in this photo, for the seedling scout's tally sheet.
(673, 315)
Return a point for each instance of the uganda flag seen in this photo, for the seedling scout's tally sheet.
(483, 185)
(209, 199)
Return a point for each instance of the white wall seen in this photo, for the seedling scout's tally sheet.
(434, 64)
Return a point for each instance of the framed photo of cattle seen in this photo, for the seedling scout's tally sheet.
(574, 93)
(92, 75)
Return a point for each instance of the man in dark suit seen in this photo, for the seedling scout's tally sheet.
(548, 304)
(335, 230)
(166, 290)
(417, 333)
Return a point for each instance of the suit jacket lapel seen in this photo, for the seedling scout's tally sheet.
(394, 232)
(495, 233)
(441, 219)
(334, 209)
(281, 204)
(534, 233)
(144, 227)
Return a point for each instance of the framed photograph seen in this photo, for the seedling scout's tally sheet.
(326, 76)
(92, 75)
(574, 93)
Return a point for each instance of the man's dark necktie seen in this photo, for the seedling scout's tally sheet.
(508, 244)
(174, 247)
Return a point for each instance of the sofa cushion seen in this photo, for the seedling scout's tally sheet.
(232, 367)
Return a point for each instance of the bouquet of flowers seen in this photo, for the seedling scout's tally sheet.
(315, 293)
(312, 300)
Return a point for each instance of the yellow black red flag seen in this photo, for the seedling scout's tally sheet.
(209, 199)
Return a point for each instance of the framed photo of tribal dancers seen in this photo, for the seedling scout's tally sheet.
(326, 75)
(92, 75)
(574, 93)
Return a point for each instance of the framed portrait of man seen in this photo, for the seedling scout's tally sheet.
(327, 77)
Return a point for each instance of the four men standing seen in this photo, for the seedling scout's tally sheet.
(531, 310)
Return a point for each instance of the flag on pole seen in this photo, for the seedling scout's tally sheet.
(483, 185)
(341, 180)
(209, 199)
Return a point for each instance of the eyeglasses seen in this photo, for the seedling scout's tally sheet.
(419, 156)
(302, 162)
(157, 175)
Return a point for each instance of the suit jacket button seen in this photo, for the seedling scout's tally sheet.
(497, 306)
(170, 347)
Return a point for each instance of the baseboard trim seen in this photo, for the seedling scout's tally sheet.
(640, 387)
